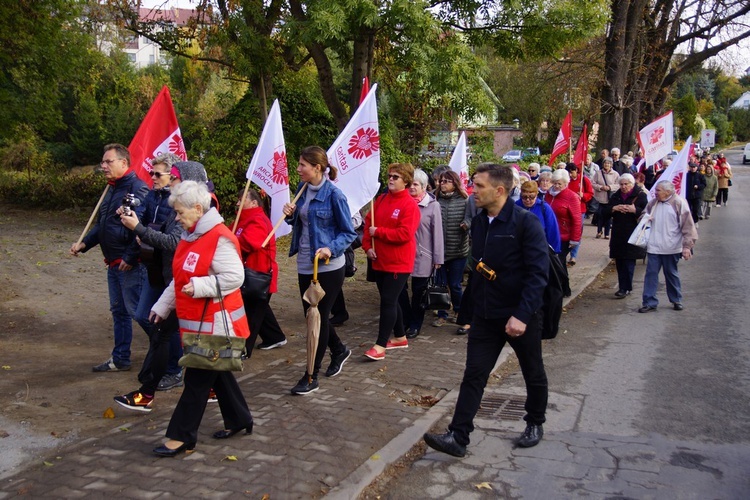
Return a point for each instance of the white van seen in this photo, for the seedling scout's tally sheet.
(746, 154)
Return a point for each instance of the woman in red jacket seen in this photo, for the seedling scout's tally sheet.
(390, 243)
(252, 229)
(567, 207)
(584, 192)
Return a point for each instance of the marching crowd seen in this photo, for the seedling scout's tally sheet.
(175, 267)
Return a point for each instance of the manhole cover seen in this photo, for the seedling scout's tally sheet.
(502, 407)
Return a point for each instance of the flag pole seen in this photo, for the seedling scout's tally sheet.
(278, 224)
(93, 214)
(242, 204)
(372, 222)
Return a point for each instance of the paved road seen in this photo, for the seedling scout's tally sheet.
(642, 405)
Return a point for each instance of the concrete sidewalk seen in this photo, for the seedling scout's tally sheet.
(334, 441)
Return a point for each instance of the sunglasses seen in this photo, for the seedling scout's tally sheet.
(158, 174)
(394, 177)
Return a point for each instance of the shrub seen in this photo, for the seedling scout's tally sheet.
(50, 191)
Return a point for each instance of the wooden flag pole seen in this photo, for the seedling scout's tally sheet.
(93, 214)
(372, 221)
(278, 224)
(242, 204)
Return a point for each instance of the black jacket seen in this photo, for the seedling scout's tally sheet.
(623, 225)
(695, 179)
(117, 241)
(515, 247)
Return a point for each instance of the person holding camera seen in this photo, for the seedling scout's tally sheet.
(125, 274)
(510, 272)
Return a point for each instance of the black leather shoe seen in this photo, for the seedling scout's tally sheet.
(411, 333)
(337, 362)
(305, 386)
(531, 436)
(227, 433)
(678, 307)
(445, 443)
(646, 309)
(163, 451)
(463, 330)
(621, 294)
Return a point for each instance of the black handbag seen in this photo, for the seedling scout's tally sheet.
(222, 353)
(257, 284)
(436, 297)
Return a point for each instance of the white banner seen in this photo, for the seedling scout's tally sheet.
(458, 161)
(268, 168)
(356, 154)
(657, 139)
(676, 172)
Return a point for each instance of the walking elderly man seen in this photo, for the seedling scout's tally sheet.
(673, 236)
(511, 263)
(125, 274)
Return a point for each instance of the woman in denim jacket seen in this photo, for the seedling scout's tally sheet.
(321, 225)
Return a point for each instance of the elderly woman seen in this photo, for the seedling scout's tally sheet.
(544, 182)
(583, 188)
(321, 225)
(567, 207)
(453, 200)
(429, 253)
(206, 266)
(536, 205)
(710, 192)
(627, 205)
(605, 183)
(391, 247)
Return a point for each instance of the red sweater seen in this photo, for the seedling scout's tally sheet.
(396, 219)
(566, 206)
(253, 228)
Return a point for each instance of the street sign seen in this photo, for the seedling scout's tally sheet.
(708, 138)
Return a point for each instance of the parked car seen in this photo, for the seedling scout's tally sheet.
(513, 155)
(531, 152)
(746, 154)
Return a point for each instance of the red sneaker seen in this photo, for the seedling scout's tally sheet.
(375, 355)
(401, 344)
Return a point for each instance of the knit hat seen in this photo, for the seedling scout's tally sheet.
(190, 171)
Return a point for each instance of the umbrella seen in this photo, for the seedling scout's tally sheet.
(313, 296)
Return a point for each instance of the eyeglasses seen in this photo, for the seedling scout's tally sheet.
(528, 196)
(446, 181)
(394, 177)
(108, 162)
(158, 174)
(532, 170)
(173, 178)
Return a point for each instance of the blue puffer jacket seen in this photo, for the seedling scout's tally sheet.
(157, 207)
(117, 241)
(330, 222)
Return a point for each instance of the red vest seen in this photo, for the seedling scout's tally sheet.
(193, 258)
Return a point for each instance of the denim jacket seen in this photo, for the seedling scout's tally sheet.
(330, 222)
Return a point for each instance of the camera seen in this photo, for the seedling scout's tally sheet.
(129, 202)
(486, 271)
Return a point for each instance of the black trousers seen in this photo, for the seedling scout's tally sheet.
(411, 309)
(391, 317)
(487, 338)
(155, 363)
(625, 271)
(262, 322)
(189, 411)
(695, 208)
(331, 282)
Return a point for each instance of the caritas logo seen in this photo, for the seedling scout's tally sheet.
(364, 143)
(280, 172)
(656, 135)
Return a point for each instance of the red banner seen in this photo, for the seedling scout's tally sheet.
(563, 138)
(582, 148)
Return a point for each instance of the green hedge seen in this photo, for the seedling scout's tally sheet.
(50, 191)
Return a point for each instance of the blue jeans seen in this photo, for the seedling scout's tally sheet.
(574, 250)
(124, 295)
(452, 274)
(671, 276)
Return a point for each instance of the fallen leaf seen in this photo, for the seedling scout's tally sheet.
(231, 458)
(265, 497)
(48, 464)
(109, 413)
(483, 486)
(375, 457)
(6, 367)
(383, 369)
(124, 429)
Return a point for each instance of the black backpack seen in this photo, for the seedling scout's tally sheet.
(552, 305)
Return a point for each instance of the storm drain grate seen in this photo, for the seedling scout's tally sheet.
(503, 407)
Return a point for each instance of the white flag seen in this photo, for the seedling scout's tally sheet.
(676, 172)
(356, 154)
(458, 161)
(657, 139)
(268, 168)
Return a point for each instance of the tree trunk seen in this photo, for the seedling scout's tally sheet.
(364, 46)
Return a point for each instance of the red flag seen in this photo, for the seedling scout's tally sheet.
(563, 138)
(365, 89)
(582, 148)
(158, 134)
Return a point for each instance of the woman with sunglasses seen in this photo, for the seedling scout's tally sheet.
(453, 199)
(391, 245)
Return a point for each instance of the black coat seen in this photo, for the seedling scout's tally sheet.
(623, 225)
(694, 185)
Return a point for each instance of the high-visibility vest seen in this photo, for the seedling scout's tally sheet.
(193, 258)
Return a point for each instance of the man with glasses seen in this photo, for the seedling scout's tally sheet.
(125, 274)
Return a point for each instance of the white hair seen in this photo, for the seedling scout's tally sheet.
(420, 176)
(614, 151)
(561, 175)
(189, 194)
(627, 177)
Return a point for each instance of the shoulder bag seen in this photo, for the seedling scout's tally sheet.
(257, 283)
(436, 297)
(642, 232)
(221, 353)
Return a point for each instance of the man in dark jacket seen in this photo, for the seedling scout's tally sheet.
(125, 274)
(694, 186)
(511, 265)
